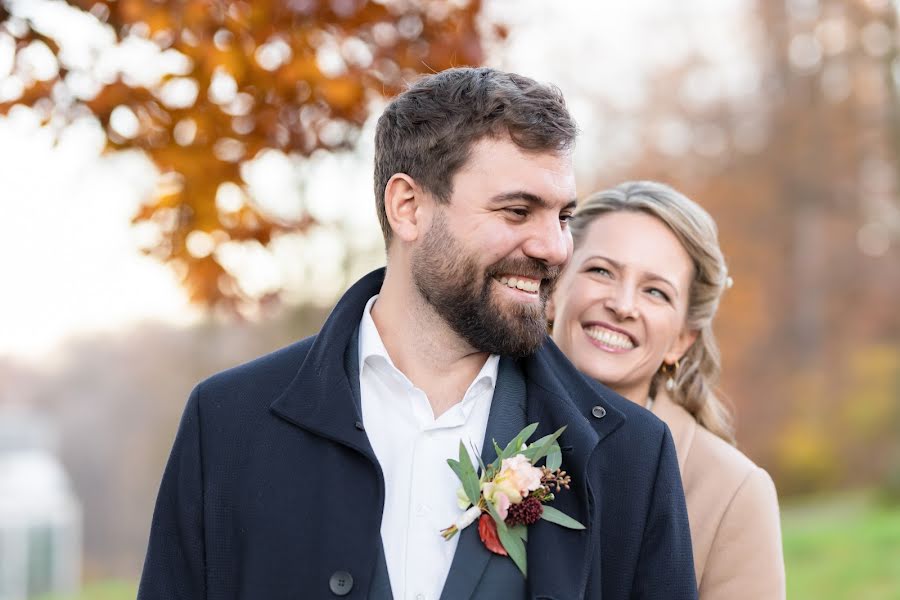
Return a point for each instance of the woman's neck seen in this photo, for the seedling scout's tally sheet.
(638, 393)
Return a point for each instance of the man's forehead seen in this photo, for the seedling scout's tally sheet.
(504, 145)
(509, 167)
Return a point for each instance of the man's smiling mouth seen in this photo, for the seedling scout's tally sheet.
(525, 284)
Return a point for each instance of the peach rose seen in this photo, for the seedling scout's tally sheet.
(516, 478)
(527, 477)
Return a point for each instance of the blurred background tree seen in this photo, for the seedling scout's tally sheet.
(794, 149)
(204, 86)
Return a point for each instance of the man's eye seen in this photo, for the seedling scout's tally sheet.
(517, 211)
(565, 218)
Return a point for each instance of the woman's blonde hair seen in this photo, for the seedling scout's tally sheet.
(698, 370)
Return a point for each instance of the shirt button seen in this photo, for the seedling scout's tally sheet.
(599, 412)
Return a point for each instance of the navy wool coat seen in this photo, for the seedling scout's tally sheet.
(272, 490)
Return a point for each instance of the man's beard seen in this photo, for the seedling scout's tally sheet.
(460, 292)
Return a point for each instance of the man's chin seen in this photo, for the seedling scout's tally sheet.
(520, 329)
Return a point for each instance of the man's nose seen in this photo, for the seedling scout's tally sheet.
(550, 243)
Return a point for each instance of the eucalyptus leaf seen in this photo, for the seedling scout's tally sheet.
(466, 473)
(554, 457)
(512, 541)
(468, 476)
(539, 448)
(457, 468)
(521, 531)
(515, 547)
(492, 510)
(499, 452)
(532, 452)
(480, 460)
(515, 444)
(555, 516)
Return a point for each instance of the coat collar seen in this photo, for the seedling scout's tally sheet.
(320, 399)
(681, 423)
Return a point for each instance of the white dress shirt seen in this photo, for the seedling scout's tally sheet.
(412, 448)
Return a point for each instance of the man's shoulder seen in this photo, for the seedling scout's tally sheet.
(266, 375)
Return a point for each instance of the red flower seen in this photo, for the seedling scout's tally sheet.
(527, 512)
(487, 531)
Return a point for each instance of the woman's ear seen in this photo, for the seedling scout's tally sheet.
(682, 344)
(402, 199)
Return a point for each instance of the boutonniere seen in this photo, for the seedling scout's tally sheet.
(511, 493)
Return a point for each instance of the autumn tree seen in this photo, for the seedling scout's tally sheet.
(207, 85)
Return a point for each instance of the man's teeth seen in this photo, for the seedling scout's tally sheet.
(610, 338)
(526, 285)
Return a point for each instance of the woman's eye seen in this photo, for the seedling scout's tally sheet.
(600, 271)
(658, 293)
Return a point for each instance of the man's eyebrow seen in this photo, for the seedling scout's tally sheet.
(530, 198)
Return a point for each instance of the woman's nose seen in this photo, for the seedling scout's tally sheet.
(621, 303)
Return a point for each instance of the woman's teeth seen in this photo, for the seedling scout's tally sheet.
(610, 338)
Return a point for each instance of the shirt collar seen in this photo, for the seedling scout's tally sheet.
(370, 345)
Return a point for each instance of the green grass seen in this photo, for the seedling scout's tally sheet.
(842, 548)
(104, 590)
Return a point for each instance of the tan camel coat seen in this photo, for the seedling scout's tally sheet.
(733, 512)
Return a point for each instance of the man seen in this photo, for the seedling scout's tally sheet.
(320, 470)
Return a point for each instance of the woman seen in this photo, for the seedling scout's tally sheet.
(634, 310)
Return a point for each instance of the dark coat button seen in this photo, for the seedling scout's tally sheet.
(341, 583)
(598, 411)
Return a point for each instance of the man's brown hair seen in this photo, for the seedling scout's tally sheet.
(428, 131)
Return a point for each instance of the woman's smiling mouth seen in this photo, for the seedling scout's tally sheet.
(609, 339)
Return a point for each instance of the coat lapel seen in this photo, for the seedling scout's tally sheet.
(506, 419)
(559, 559)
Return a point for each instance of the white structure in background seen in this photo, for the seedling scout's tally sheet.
(40, 519)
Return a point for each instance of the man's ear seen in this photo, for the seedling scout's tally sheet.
(402, 200)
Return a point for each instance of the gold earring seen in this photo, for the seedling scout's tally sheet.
(671, 371)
